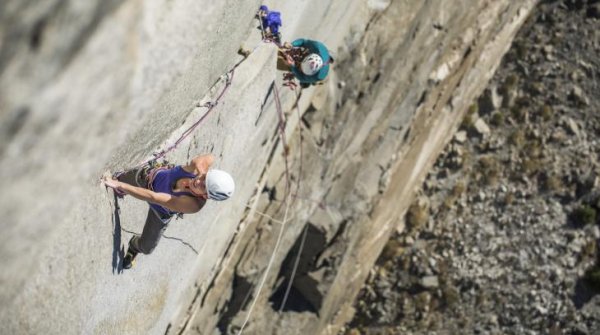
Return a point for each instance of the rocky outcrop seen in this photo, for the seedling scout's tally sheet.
(98, 87)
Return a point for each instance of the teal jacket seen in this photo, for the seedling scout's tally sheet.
(319, 49)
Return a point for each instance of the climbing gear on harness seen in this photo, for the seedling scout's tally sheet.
(298, 54)
(150, 172)
(219, 185)
(311, 64)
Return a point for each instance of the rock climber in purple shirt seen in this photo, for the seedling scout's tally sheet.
(169, 190)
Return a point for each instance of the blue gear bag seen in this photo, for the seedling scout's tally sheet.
(272, 20)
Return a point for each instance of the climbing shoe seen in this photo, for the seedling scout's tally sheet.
(129, 260)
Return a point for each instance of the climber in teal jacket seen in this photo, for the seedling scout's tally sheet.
(309, 60)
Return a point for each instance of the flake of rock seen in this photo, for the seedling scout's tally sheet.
(420, 244)
(432, 262)
(429, 282)
(481, 127)
(458, 151)
(460, 137)
(490, 101)
(596, 232)
(579, 96)
(588, 67)
(508, 99)
(572, 127)
(574, 76)
(558, 136)
(430, 185)
(456, 162)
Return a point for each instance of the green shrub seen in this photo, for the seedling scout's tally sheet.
(518, 112)
(470, 117)
(547, 112)
(392, 249)
(521, 49)
(474, 108)
(592, 277)
(450, 296)
(417, 216)
(523, 101)
(585, 215)
(497, 119)
(517, 138)
(509, 198)
(589, 249)
(553, 184)
(458, 188)
(509, 84)
(490, 170)
(531, 166)
(511, 80)
(533, 149)
(536, 88)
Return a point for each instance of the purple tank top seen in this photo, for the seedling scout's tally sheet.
(165, 180)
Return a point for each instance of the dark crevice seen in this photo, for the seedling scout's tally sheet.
(422, 98)
(406, 135)
(308, 115)
(37, 34)
(304, 295)
(240, 296)
(264, 103)
(271, 192)
(376, 78)
(17, 120)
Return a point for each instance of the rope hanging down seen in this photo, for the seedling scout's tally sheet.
(287, 207)
(287, 193)
(229, 78)
(211, 105)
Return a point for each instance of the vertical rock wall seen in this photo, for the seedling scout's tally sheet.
(365, 141)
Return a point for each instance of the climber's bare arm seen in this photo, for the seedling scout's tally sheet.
(200, 164)
(181, 204)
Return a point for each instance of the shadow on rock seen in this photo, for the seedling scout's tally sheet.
(118, 251)
(584, 292)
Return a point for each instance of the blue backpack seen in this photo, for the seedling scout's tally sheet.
(272, 20)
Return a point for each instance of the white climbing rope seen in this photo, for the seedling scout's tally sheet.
(264, 278)
(291, 280)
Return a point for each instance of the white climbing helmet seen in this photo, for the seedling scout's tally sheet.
(311, 64)
(219, 185)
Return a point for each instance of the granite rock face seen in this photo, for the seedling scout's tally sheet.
(88, 89)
